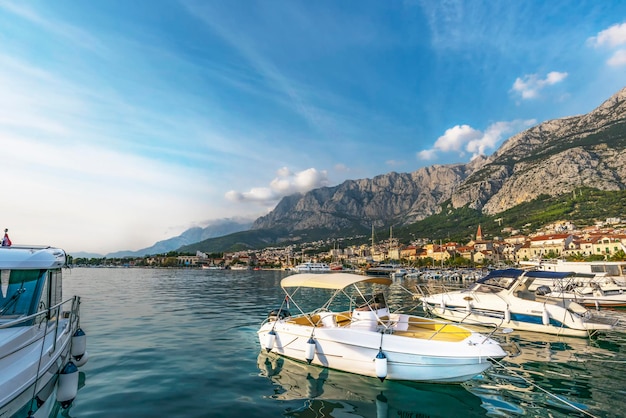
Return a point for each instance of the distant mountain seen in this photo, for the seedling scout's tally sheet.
(550, 159)
(215, 229)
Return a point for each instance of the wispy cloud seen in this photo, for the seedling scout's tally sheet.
(69, 33)
(463, 139)
(285, 183)
(617, 59)
(613, 39)
(529, 86)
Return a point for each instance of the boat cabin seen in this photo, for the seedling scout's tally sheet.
(26, 292)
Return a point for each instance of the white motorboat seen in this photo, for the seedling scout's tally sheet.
(311, 267)
(41, 342)
(592, 284)
(367, 339)
(503, 298)
(616, 270)
(382, 270)
(598, 292)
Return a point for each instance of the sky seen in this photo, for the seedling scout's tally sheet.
(126, 123)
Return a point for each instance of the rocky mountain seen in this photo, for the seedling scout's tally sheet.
(551, 158)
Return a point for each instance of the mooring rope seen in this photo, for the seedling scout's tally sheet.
(560, 399)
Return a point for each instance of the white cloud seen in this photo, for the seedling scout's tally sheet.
(455, 138)
(465, 139)
(611, 37)
(618, 58)
(427, 154)
(530, 85)
(284, 184)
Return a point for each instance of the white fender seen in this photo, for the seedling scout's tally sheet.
(381, 365)
(545, 317)
(310, 350)
(269, 340)
(79, 344)
(83, 359)
(507, 315)
(67, 385)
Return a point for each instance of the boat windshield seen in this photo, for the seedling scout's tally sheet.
(374, 302)
(493, 284)
(19, 292)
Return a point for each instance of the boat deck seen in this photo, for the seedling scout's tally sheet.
(416, 327)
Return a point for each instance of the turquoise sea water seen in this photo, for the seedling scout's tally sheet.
(182, 343)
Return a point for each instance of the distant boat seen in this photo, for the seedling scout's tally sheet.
(211, 267)
(239, 267)
(336, 266)
(310, 267)
(382, 270)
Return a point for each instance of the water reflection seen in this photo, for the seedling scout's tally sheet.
(331, 393)
(550, 376)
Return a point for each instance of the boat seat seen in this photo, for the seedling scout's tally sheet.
(401, 324)
(343, 318)
(525, 294)
(328, 320)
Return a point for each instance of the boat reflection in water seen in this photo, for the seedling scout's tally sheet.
(549, 376)
(331, 393)
(563, 367)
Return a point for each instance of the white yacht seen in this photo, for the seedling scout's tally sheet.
(311, 267)
(613, 269)
(505, 298)
(364, 337)
(41, 342)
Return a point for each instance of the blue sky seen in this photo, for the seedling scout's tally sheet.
(125, 123)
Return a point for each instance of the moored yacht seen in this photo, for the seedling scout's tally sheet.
(311, 267)
(504, 298)
(616, 270)
(41, 342)
(356, 332)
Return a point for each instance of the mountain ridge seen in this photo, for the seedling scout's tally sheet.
(551, 158)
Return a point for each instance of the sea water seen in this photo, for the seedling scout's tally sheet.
(183, 343)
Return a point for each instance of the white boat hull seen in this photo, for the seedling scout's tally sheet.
(20, 368)
(528, 321)
(514, 306)
(354, 350)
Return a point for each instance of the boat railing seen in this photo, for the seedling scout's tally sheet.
(433, 287)
(49, 315)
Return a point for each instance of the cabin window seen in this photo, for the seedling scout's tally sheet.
(56, 296)
(20, 292)
(612, 270)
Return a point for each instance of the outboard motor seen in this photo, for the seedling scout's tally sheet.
(276, 314)
(542, 290)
